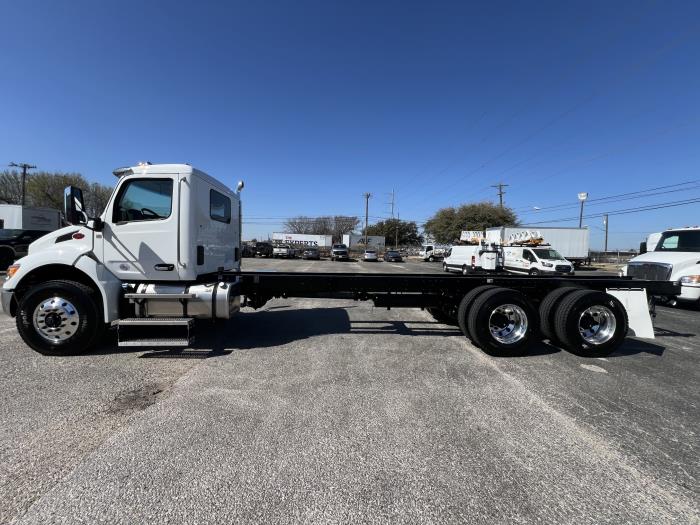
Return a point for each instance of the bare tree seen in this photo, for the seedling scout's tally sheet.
(326, 225)
(10, 187)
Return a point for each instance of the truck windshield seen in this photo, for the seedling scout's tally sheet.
(679, 241)
(548, 254)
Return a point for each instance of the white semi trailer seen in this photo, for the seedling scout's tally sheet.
(166, 251)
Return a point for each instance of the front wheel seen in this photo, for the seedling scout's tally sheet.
(431, 258)
(60, 318)
(534, 271)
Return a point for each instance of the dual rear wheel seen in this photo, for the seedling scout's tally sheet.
(504, 322)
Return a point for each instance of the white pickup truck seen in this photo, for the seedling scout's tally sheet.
(284, 251)
(674, 257)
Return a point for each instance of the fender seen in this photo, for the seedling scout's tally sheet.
(78, 256)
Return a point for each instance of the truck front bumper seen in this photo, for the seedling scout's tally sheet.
(689, 293)
(6, 301)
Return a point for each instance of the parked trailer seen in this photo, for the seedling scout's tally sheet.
(166, 251)
(572, 243)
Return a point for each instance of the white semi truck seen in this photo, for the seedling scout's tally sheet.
(166, 251)
(674, 255)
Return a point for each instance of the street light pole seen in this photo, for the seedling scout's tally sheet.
(605, 222)
(366, 196)
(582, 197)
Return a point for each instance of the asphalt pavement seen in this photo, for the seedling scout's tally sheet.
(321, 410)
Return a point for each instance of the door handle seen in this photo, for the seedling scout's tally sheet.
(164, 267)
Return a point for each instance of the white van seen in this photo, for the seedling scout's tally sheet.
(462, 259)
(535, 260)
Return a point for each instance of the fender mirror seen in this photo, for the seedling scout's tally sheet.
(73, 207)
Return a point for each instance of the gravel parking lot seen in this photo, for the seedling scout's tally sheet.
(335, 411)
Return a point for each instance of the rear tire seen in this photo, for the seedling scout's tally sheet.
(466, 304)
(502, 322)
(547, 310)
(444, 268)
(60, 318)
(465, 270)
(591, 323)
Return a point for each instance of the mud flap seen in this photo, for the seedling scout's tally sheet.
(637, 306)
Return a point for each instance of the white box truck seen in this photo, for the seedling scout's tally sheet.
(18, 217)
(571, 243)
(301, 240)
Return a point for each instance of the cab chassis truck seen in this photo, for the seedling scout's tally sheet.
(166, 251)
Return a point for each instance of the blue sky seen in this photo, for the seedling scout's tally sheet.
(314, 103)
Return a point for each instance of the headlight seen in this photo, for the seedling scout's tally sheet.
(548, 265)
(688, 279)
(12, 270)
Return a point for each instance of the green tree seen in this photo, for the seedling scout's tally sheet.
(447, 223)
(407, 232)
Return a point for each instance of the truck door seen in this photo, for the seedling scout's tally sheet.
(140, 236)
(528, 259)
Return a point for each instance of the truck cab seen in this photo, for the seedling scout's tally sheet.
(166, 233)
(675, 256)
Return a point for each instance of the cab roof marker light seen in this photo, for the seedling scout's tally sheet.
(120, 172)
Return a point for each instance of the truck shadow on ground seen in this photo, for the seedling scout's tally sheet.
(280, 325)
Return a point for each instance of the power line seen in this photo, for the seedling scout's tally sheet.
(631, 68)
(619, 197)
(624, 211)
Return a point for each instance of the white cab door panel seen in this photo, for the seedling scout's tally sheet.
(140, 237)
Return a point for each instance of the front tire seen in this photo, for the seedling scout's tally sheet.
(60, 318)
(431, 259)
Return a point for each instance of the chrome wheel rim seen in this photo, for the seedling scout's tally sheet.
(597, 324)
(56, 319)
(508, 324)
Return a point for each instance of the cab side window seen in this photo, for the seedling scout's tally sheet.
(219, 207)
(144, 200)
(527, 255)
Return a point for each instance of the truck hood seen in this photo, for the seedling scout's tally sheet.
(53, 237)
(681, 261)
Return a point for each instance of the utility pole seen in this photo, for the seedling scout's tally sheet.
(24, 167)
(366, 196)
(396, 241)
(605, 222)
(501, 193)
